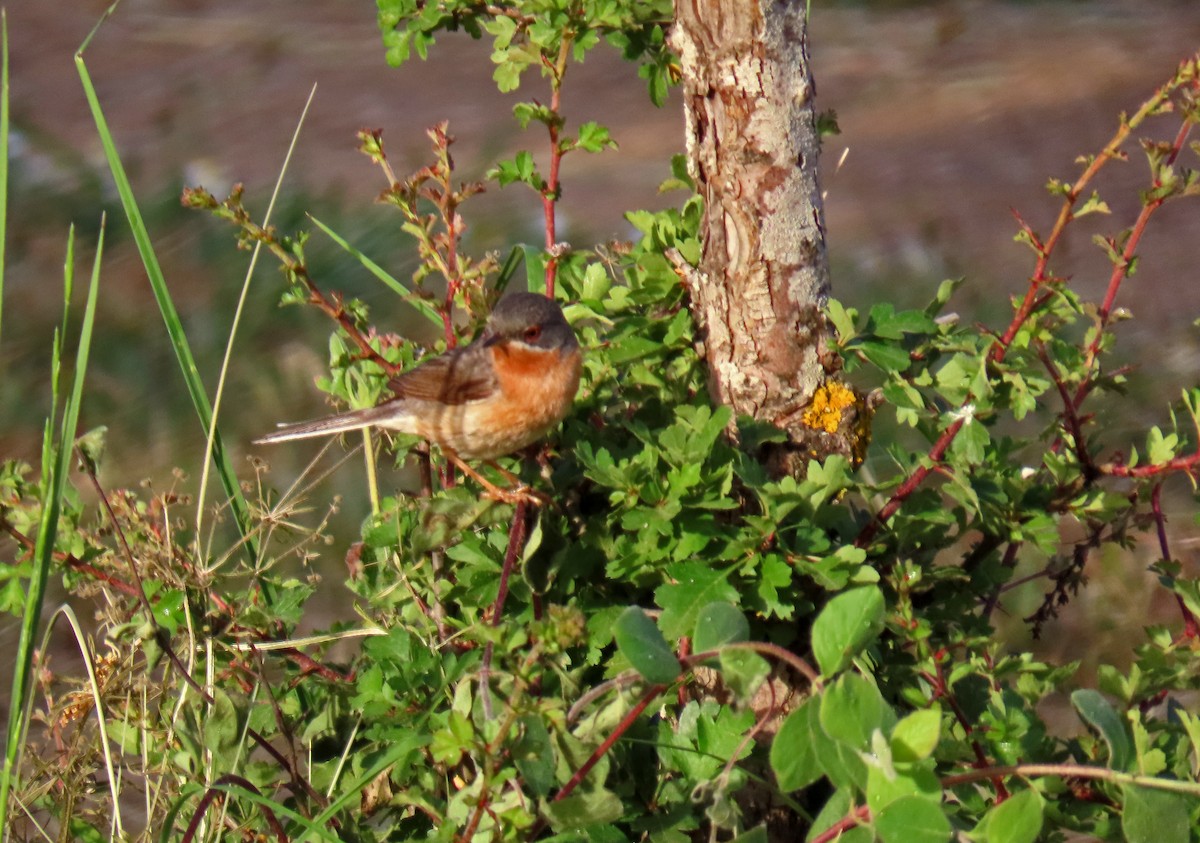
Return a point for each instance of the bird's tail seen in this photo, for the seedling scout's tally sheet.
(354, 420)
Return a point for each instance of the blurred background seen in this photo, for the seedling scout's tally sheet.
(952, 114)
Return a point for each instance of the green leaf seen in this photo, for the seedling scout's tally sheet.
(1104, 718)
(533, 755)
(743, 672)
(835, 809)
(842, 319)
(594, 138)
(697, 584)
(887, 356)
(852, 709)
(794, 751)
(971, 442)
(754, 835)
(1017, 819)
(913, 819)
(1160, 447)
(895, 325)
(847, 624)
(718, 624)
(916, 736)
(639, 640)
(222, 727)
(1154, 816)
(886, 786)
(584, 809)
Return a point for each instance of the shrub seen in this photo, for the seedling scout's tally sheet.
(684, 646)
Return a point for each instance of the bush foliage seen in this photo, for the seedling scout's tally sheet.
(683, 647)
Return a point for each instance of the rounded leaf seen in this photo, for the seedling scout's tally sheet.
(847, 624)
(913, 819)
(639, 640)
(916, 736)
(718, 624)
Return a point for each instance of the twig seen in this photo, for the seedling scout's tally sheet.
(1191, 630)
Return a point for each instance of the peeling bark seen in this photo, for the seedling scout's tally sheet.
(763, 278)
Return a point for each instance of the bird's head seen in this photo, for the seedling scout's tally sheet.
(529, 320)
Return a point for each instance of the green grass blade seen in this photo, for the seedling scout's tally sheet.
(3, 152)
(58, 458)
(237, 317)
(166, 306)
(353, 794)
(426, 309)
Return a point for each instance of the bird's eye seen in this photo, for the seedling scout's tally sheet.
(532, 333)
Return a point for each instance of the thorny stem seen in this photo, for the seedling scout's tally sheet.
(856, 817)
(1066, 214)
(1186, 74)
(941, 690)
(432, 183)
(491, 751)
(648, 696)
(550, 191)
(1121, 269)
(936, 453)
(516, 543)
(1071, 771)
(331, 305)
(1191, 629)
(1070, 415)
(217, 789)
(1187, 465)
(862, 814)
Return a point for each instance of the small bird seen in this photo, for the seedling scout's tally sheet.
(504, 391)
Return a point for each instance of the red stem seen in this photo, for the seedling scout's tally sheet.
(1191, 629)
(910, 485)
(216, 790)
(1070, 415)
(857, 816)
(550, 198)
(1039, 278)
(942, 691)
(1185, 464)
(516, 541)
(622, 727)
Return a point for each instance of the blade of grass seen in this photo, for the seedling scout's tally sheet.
(237, 318)
(166, 305)
(55, 457)
(3, 148)
(353, 793)
(98, 706)
(426, 309)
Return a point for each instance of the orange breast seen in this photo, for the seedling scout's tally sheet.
(536, 391)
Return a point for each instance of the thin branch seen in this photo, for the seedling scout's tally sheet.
(1191, 629)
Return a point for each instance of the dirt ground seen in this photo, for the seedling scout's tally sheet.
(951, 113)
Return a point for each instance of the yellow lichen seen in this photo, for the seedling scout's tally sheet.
(828, 403)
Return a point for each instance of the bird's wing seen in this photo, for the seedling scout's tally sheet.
(457, 377)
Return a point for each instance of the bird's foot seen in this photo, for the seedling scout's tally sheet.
(519, 494)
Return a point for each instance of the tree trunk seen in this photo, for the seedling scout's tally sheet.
(763, 279)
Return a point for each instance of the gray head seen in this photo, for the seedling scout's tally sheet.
(532, 320)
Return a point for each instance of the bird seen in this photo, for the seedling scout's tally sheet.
(502, 392)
